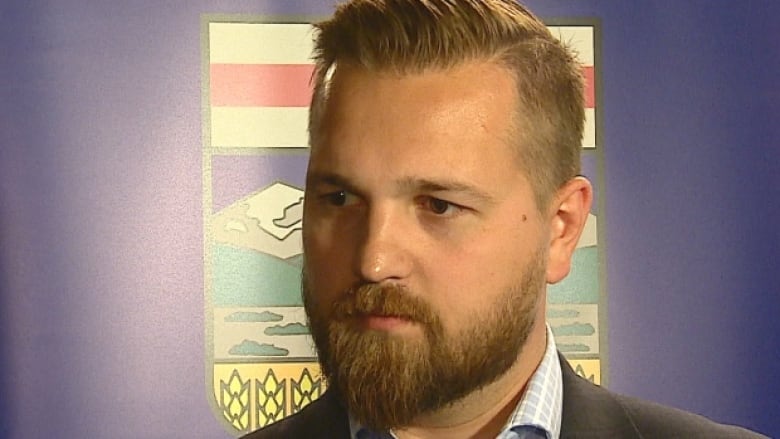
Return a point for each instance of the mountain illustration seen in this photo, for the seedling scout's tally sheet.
(268, 221)
(242, 277)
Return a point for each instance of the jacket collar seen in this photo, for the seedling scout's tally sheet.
(590, 411)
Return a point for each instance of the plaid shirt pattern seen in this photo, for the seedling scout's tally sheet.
(541, 406)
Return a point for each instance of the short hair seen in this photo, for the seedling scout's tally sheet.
(411, 36)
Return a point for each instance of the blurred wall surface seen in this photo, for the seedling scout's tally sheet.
(102, 324)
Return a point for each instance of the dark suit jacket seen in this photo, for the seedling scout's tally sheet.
(589, 411)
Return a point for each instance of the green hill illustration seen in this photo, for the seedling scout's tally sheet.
(244, 277)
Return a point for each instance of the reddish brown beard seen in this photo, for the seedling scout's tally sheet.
(385, 380)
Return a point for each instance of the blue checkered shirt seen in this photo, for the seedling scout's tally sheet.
(538, 414)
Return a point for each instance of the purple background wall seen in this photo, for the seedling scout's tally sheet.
(101, 291)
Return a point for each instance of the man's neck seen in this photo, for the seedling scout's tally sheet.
(484, 412)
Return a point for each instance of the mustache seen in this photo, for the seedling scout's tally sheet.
(383, 299)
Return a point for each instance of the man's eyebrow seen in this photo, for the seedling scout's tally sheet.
(404, 185)
(444, 185)
(329, 178)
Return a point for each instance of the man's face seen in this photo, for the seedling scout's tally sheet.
(424, 250)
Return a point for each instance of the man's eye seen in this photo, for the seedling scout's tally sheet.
(441, 207)
(340, 198)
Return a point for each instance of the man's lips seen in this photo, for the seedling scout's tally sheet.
(384, 322)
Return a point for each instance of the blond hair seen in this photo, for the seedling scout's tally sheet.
(411, 36)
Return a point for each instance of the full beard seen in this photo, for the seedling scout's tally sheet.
(385, 380)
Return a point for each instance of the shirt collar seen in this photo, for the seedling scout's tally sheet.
(541, 405)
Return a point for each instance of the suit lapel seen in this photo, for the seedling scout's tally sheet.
(331, 420)
(590, 411)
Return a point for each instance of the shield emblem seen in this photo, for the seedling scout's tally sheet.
(260, 362)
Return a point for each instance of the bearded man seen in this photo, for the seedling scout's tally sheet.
(442, 195)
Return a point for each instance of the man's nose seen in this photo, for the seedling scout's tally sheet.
(384, 248)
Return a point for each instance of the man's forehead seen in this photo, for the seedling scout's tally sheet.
(428, 126)
(483, 85)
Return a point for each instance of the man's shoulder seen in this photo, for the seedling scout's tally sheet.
(656, 420)
(323, 418)
(590, 411)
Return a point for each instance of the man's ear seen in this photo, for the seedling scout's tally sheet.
(568, 213)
